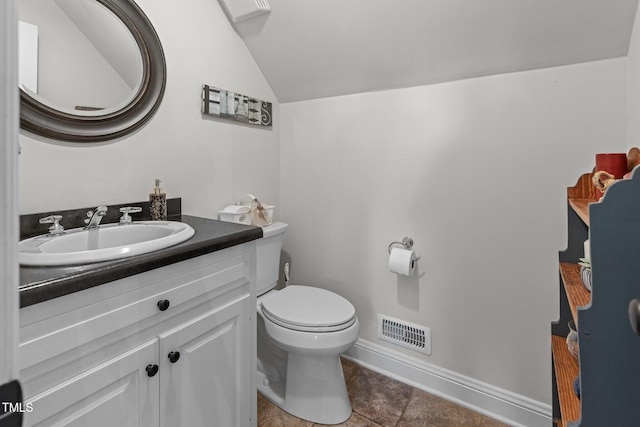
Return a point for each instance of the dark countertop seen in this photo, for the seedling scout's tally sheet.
(38, 284)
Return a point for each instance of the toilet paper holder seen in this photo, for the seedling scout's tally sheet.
(407, 243)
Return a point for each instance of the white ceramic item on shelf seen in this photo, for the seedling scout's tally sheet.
(572, 340)
(585, 275)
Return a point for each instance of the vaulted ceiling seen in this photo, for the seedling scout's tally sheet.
(313, 49)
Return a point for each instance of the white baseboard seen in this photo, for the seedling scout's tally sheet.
(505, 406)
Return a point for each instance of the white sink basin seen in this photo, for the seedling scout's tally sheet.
(107, 242)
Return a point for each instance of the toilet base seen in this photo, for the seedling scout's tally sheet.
(315, 389)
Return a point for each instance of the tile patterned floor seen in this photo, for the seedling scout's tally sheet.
(379, 401)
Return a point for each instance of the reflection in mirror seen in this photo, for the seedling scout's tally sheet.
(91, 70)
(77, 56)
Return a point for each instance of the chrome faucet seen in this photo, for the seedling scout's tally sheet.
(95, 216)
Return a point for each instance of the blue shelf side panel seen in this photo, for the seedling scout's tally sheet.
(609, 348)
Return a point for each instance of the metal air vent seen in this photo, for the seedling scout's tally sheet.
(404, 334)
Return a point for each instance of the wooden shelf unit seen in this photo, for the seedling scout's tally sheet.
(580, 195)
(566, 367)
(581, 207)
(566, 370)
(577, 294)
(609, 349)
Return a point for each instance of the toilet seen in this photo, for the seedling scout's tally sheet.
(302, 331)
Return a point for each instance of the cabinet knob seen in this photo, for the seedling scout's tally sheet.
(634, 315)
(163, 304)
(152, 370)
(174, 356)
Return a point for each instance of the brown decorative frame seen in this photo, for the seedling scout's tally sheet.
(46, 121)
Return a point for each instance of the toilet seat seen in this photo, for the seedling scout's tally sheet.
(308, 309)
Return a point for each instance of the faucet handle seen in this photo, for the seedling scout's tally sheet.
(56, 228)
(126, 219)
(98, 212)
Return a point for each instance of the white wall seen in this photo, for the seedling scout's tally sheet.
(209, 163)
(475, 171)
(634, 84)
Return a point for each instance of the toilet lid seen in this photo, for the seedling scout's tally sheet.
(307, 308)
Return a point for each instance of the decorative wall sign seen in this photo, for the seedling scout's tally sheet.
(234, 106)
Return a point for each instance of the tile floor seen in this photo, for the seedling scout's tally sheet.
(379, 401)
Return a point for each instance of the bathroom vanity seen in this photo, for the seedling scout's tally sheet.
(162, 339)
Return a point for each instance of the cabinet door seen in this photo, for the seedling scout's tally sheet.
(119, 392)
(209, 383)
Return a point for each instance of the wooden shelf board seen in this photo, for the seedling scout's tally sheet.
(584, 188)
(581, 194)
(577, 294)
(581, 207)
(567, 370)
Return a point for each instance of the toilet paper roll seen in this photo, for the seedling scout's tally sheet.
(402, 261)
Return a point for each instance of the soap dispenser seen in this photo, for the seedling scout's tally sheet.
(158, 203)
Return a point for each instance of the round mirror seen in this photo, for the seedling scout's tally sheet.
(90, 70)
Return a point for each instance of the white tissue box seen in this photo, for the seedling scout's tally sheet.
(239, 214)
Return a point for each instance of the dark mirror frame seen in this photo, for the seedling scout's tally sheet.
(46, 121)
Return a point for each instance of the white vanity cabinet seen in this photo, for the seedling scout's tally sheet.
(203, 386)
(170, 347)
(117, 393)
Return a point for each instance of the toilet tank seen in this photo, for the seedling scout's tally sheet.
(268, 256)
